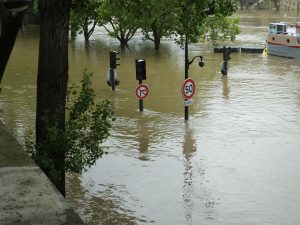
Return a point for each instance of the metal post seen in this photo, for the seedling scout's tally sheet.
(141, 101)
(112, 79)
(186, 74)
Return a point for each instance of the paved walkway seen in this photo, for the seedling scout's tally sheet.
(26, 194)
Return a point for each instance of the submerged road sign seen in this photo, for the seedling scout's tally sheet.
(188, 88)
(141, 91)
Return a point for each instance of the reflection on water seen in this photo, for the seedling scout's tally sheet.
(189, 147)
(235, 162)
(143, 139)
(226, 89)
(96, 207)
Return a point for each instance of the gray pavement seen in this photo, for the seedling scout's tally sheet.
(27, 196)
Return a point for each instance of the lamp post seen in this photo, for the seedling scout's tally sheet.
(186, 70)
(11, 15)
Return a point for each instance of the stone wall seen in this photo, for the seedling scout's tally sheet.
(27, 195)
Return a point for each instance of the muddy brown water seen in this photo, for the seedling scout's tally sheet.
(235, 162)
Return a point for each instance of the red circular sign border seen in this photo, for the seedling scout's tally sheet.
(136, 89)
(182, 89)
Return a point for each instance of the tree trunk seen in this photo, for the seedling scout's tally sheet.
(156, 36)
(276, 5)
(52, 82)
(10, 25)
(123, 41)
(241, 4)
(86, 30)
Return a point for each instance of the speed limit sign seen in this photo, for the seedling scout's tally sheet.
(188, 88)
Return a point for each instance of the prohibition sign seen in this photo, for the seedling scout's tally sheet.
(141, 91)
(188, 88)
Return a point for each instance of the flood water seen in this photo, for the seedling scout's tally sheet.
(237, 160)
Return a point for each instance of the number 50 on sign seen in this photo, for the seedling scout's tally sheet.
(188, 88)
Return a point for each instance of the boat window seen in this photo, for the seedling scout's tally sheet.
(272, 27)
(281, 28)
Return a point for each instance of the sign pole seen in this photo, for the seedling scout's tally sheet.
(141, 101)
(112, 79)
(142, 90)
(186, 75)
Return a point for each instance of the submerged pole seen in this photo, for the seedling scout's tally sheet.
(186, 74)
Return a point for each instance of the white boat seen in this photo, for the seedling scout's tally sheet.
(284, 40)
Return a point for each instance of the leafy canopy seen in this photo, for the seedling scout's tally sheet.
(84, 17)
(119, 18)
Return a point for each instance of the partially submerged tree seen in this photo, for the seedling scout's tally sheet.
(157, 19)
(84, 17)
(205, 20)
(119, 19)
(62, 145)
(277, 4)
(219, 29)
(169, 18)
(52, 80)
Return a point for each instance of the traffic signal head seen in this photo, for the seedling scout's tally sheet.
(113, 59)
(140, 65)
(226, 53)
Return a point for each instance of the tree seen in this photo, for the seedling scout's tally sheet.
(277, 5)
(202, 19)
(169, 18)
(219, 29)
(84, 17)
(158, 19)
(119, 19)
(52, 82)
(64, 145)
(188, 18)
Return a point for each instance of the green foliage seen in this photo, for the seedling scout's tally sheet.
(84, 17)
(158, 19)
(220, 29)
(88, 125)
(120, 19)
(35, 5)
(174, 19)
(206, 19)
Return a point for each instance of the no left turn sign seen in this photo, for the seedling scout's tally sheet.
(188, 88)
(141, 91)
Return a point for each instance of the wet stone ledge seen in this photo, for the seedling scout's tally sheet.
(26, 194)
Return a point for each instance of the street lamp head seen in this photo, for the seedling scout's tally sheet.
(201, 63)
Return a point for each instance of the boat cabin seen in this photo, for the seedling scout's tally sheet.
(278, 28)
